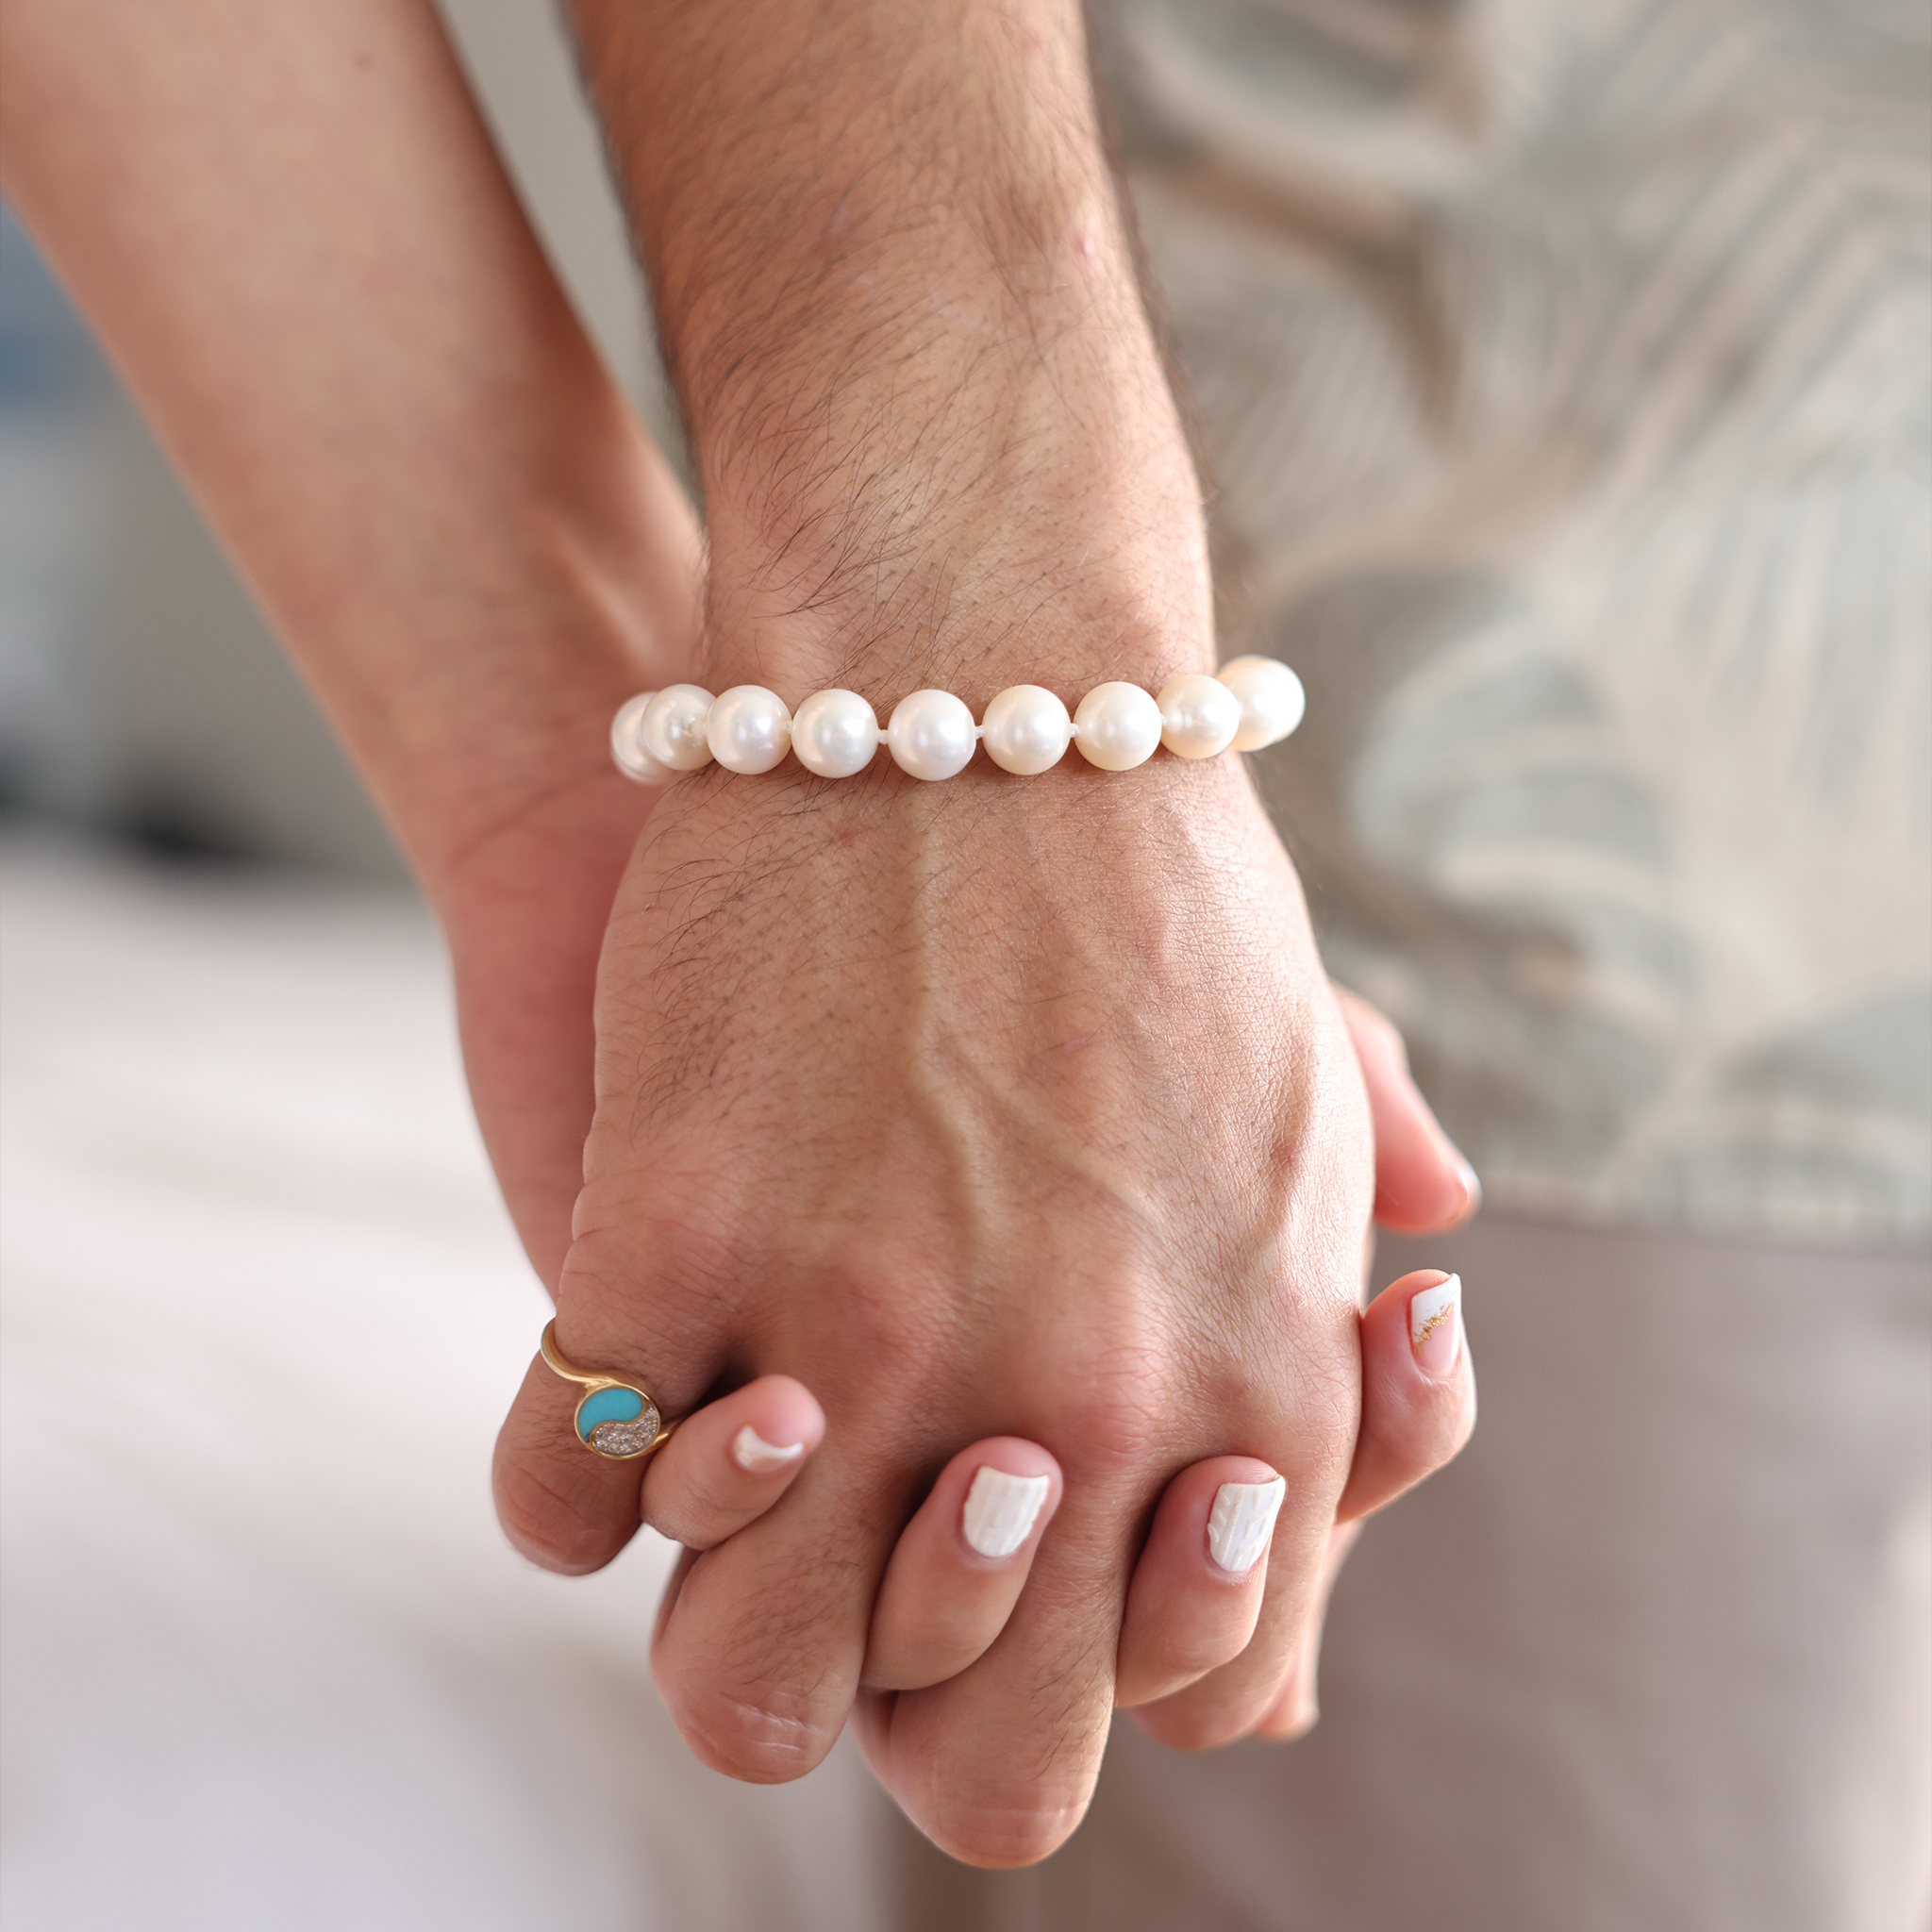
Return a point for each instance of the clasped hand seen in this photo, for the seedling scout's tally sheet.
(1025, 1133)
(1004, 1125)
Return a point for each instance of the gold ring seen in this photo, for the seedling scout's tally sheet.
(615, 1417)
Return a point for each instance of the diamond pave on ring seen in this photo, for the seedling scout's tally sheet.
(614, 1417)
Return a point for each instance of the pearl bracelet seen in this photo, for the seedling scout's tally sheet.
(1253, 702)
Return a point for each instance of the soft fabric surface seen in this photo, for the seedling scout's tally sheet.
(268, 1661)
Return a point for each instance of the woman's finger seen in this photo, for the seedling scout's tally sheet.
(1418, 1409)
(568, 1509)
(960, 1564)
(1196, 1590)
(1418, 1390)
(1423, 1184)
(1294, 1710)
(728, 1463)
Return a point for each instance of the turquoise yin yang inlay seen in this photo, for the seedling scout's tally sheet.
(608, 1405)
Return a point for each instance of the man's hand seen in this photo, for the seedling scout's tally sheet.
(1003, 1105)
(1014, 1106)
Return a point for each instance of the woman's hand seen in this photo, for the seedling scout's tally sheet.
(1197, 1586)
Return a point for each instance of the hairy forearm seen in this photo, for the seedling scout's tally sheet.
(292, 235)
(897, 294)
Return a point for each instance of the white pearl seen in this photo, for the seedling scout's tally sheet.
(633, 760)
(1027, 730)
(931, 735)
(1272, 698)
(672, 727)
(1199, 716)
(749, 729)
(1116, 726)
(834, 733)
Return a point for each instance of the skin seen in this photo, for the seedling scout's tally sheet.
(359, 399)
(1028, 1217)
(885, 1095)
(999, 1106)
(943, 1603)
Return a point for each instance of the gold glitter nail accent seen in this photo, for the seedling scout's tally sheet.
(1435, 1321)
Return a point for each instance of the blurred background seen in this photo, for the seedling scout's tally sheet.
(141, 694)
(267, 1660)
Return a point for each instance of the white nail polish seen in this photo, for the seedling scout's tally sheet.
(751, 1452)
(1434, 1325)
(1001, 1509)
(1240, 1523)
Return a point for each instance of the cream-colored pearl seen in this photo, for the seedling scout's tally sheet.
(1199, 716)
(1027, 730)
(672, 727)
(931, 735)
(1272, 698)
(633, 760)
(834, 733)
(1116, 726)
(749, 729)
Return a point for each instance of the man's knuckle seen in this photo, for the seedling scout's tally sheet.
(1192, 1657)
(1120, 1402)
(549, 1525)
(761, 1737)
(882, 1324)
(1204, 1724)
(1327, 1406)
(1005, 1837)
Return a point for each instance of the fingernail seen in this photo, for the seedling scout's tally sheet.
(1472, 1187)
(1001, 1509)
(1239, 1523)
(751, 1452)
(1434, 1325)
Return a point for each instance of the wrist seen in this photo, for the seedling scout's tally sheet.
(471, 700)
(967, 509)
(898, 299)
(1063, 552)
(531, 744)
